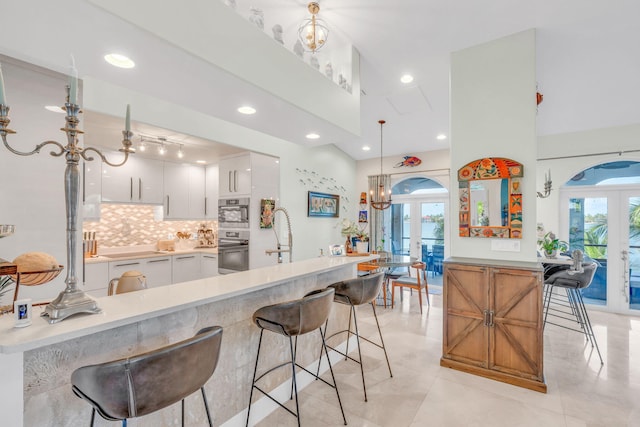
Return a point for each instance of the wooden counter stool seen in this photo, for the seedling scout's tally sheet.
(418, 283)
(142, 384)
(354, 292)
(291, 319)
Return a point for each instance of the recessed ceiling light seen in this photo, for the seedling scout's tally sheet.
(441, 136)
(54, 108)
(366, 148)
(246, 110)
(407, 78)
(119, 61)
(313, 136)
(202, 162)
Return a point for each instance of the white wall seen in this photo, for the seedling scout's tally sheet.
(613, 140)
(309, 234)
(31, 188)
(493, 88)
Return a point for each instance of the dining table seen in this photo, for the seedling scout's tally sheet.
(387, 264)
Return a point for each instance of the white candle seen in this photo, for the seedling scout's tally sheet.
(73, 83)
(3, 100)
(549, 175)
(127, 119)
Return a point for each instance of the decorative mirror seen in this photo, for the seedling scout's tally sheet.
(490, 198)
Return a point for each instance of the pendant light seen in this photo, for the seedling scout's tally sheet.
(313, 32)
(382, 198)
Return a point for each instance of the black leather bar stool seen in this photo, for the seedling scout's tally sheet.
(291, 319)
(570, 308)
(355, 292)
(136, 386)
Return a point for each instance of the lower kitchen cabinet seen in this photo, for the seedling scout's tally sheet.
(96, 279)
(157, 270)
(209, 265)
(492, 323)
(186, 267)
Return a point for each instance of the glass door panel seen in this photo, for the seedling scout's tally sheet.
(632, 279)
(432, 235)
(401, 228)
(589, 232)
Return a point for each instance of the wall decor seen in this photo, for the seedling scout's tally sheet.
(490, 198)
(363, 216)
(266, 212)
(323, 204)
(408, 161)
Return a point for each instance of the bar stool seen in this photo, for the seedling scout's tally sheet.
(142, 384)
(354, 292)
(291, 319)
(571, 304)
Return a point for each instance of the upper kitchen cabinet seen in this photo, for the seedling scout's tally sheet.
(211, 184)
(91, 189)
(184, 191)
(235, 176)
(139, 180)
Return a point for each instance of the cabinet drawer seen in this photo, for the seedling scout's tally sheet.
(186, 267)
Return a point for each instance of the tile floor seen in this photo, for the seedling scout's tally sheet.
(581, 391)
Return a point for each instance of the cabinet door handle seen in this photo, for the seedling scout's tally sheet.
(230, 190)
(205, 206)
(167, 205)
(208, 256)
(486, 317)
(235, 180)
(129, 263)
(491, 324)
(186, 257)
(131, 188)
(158, 260)
(139, 188)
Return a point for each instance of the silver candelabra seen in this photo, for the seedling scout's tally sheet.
(72, 300)
(547, 186)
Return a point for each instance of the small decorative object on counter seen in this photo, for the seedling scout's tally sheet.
(22, 312)
(347, 245)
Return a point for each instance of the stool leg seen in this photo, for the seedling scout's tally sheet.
(293, 378)
(295, 351)
(253, 382)
(420, 300)
(93, 416)
(349, 333)
(393, 294)
(335, 384)
(588, 324)
(206, 406)
(326, 324)
(182, 405)
(355, 322)
(381, 340)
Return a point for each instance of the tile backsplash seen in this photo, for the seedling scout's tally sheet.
(129, 225)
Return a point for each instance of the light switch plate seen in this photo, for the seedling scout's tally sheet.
(505, 245)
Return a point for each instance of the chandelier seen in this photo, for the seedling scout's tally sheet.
(382, 198)
(313, 32)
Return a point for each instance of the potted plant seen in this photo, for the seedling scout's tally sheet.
(550, 244)
(362, 242)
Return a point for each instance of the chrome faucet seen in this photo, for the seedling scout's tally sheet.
(289, 245)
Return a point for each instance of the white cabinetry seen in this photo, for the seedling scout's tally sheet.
(211, 192)
(139, 180)
(91, 189)
(208, 265)
(186, 267)
(235, 176)
(184, 191)
(157, 270)
(96, 279)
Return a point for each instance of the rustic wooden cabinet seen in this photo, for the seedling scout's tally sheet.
(492, 322)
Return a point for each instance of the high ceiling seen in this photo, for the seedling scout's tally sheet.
(587, 62)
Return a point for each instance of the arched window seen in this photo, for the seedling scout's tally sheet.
(418, 185)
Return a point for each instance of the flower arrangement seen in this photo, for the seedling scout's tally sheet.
(351, 228)
(550, 244)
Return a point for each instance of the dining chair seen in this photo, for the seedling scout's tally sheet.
(418, 283)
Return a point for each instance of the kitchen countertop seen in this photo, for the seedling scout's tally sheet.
(132, 307)
(142, 253)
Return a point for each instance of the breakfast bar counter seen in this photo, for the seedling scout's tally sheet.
(37, 361)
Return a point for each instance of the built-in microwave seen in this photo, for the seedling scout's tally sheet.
(233, 213)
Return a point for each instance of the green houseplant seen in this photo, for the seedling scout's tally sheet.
(550, 244)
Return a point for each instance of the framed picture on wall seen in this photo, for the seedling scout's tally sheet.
(362, 216)
(323, 205)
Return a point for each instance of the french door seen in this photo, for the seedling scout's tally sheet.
(604, 222)
(417, 224)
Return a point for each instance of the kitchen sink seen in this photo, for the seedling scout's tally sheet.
(134, 254)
